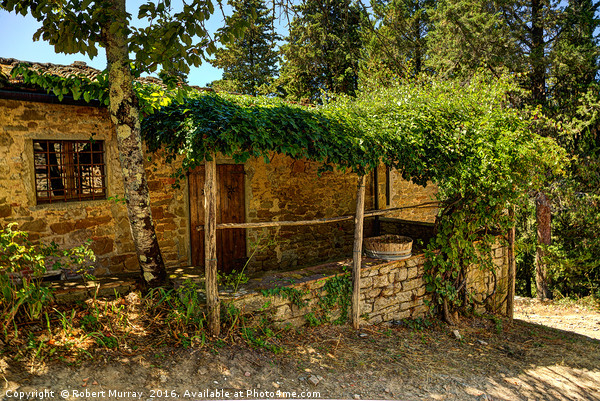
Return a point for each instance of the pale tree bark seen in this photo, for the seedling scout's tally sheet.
(124, 112)
(544, 235)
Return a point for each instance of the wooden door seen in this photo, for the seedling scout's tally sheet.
(231, 242)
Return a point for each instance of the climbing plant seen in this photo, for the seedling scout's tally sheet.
(466, 137)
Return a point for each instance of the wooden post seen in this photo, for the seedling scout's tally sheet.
(512, 266)
(357, 256)
(210, 246)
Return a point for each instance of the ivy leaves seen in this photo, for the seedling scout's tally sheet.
(77, 86)
(243, 127)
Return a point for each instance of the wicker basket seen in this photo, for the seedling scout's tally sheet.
(388, 247)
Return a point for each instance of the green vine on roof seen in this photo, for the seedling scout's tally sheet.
(244, 127)
(81, 87)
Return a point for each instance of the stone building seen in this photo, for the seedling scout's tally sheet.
(60, 180)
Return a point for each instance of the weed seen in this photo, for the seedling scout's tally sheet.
(419, 324)
(89, 323)
(295, 296)
(105, 341)
(232, 280)
(498, 324)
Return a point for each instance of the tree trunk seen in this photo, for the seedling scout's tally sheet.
(512, 268)
(544, 234)
(537, 56)
(124, 112)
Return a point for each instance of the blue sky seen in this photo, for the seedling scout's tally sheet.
(17, 32)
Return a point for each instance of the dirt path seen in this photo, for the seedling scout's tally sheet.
(491, 361)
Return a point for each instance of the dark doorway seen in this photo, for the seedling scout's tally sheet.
(231, 242)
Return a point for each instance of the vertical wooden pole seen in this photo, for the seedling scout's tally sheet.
(210, 246)
(512, 266)
(357, 256)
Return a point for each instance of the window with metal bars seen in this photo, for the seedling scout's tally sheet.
(69, 171)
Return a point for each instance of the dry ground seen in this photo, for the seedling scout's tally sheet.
(493, 360)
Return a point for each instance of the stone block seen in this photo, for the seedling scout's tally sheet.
(62, 227)
(373, 293)
(420, 291)
(389, 290)
(412, 272)
(420, 310)
(5, 211)
(499, 252)
(102, 245)
(36, 226)
(92, 222)
(375, 319)
(380, 281)
(131, 264)
(294, 322)
(382, 303)
(412, 262)
(412, 284)
(366, 282)
(283, 313)
(397, 315)
(401, 274)
(385, 269)
(366, 307)
(404, 296)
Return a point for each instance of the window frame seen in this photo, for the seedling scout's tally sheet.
(75, 181)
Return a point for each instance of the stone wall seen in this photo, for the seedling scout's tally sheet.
(69, 224)
(285, 190)
(389, 291)
(405, 193)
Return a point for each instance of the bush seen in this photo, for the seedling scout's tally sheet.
(22, 268)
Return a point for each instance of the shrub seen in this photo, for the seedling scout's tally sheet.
(22, 268)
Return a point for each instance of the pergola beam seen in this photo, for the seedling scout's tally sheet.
(210, 246)
(317, 221)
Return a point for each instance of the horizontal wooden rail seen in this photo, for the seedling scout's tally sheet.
(371, 213)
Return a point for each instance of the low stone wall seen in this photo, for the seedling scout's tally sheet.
(389, 291)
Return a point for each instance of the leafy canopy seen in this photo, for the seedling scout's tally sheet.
(169, 39)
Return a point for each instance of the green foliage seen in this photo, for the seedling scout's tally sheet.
(233, 279)
(337, 295)
(322, 50)
(150, 96)
(394, 40)
(469, 34)
(574, 256)
(418, 324)
(78, 86)
(463, 136)
(183, 307)
(249, 62)
(295, 296)
(244, 127)
(170, 40)
(22, 267)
